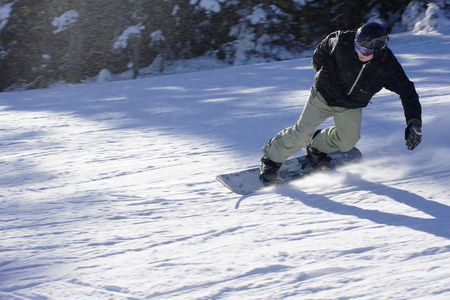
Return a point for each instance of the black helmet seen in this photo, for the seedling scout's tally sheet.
(372, 36)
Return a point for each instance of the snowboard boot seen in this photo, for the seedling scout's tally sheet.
(319, 160)
(269, 171)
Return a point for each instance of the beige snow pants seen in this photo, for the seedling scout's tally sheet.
(343, 136)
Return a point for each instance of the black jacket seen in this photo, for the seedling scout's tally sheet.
(344, 81)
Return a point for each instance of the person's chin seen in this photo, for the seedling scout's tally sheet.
(365, 58)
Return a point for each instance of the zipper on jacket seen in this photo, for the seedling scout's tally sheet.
(357, 79)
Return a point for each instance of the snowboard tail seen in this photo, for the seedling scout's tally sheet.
(247, 181)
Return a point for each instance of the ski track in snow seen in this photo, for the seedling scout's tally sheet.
(108, 191)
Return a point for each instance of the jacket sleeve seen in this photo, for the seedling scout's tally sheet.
(400, 84)
(325, 50)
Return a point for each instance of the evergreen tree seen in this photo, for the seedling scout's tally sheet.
(322, 17)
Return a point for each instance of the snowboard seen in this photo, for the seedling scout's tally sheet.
(247, 181)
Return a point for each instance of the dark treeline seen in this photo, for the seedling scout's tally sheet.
(47, 41)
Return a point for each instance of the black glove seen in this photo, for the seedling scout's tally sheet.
(413, 134)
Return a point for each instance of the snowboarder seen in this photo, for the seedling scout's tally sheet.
(351, 66)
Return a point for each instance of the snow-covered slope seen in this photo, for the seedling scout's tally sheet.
(108, 191)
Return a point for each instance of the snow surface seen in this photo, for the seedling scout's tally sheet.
(122, 40)
(5, 13)
(208, 5)
(108, 191)
(156, 36)
(65, 21)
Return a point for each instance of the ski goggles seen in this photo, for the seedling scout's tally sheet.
(363, 51)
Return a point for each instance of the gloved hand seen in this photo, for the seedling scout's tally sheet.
(413, 134)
